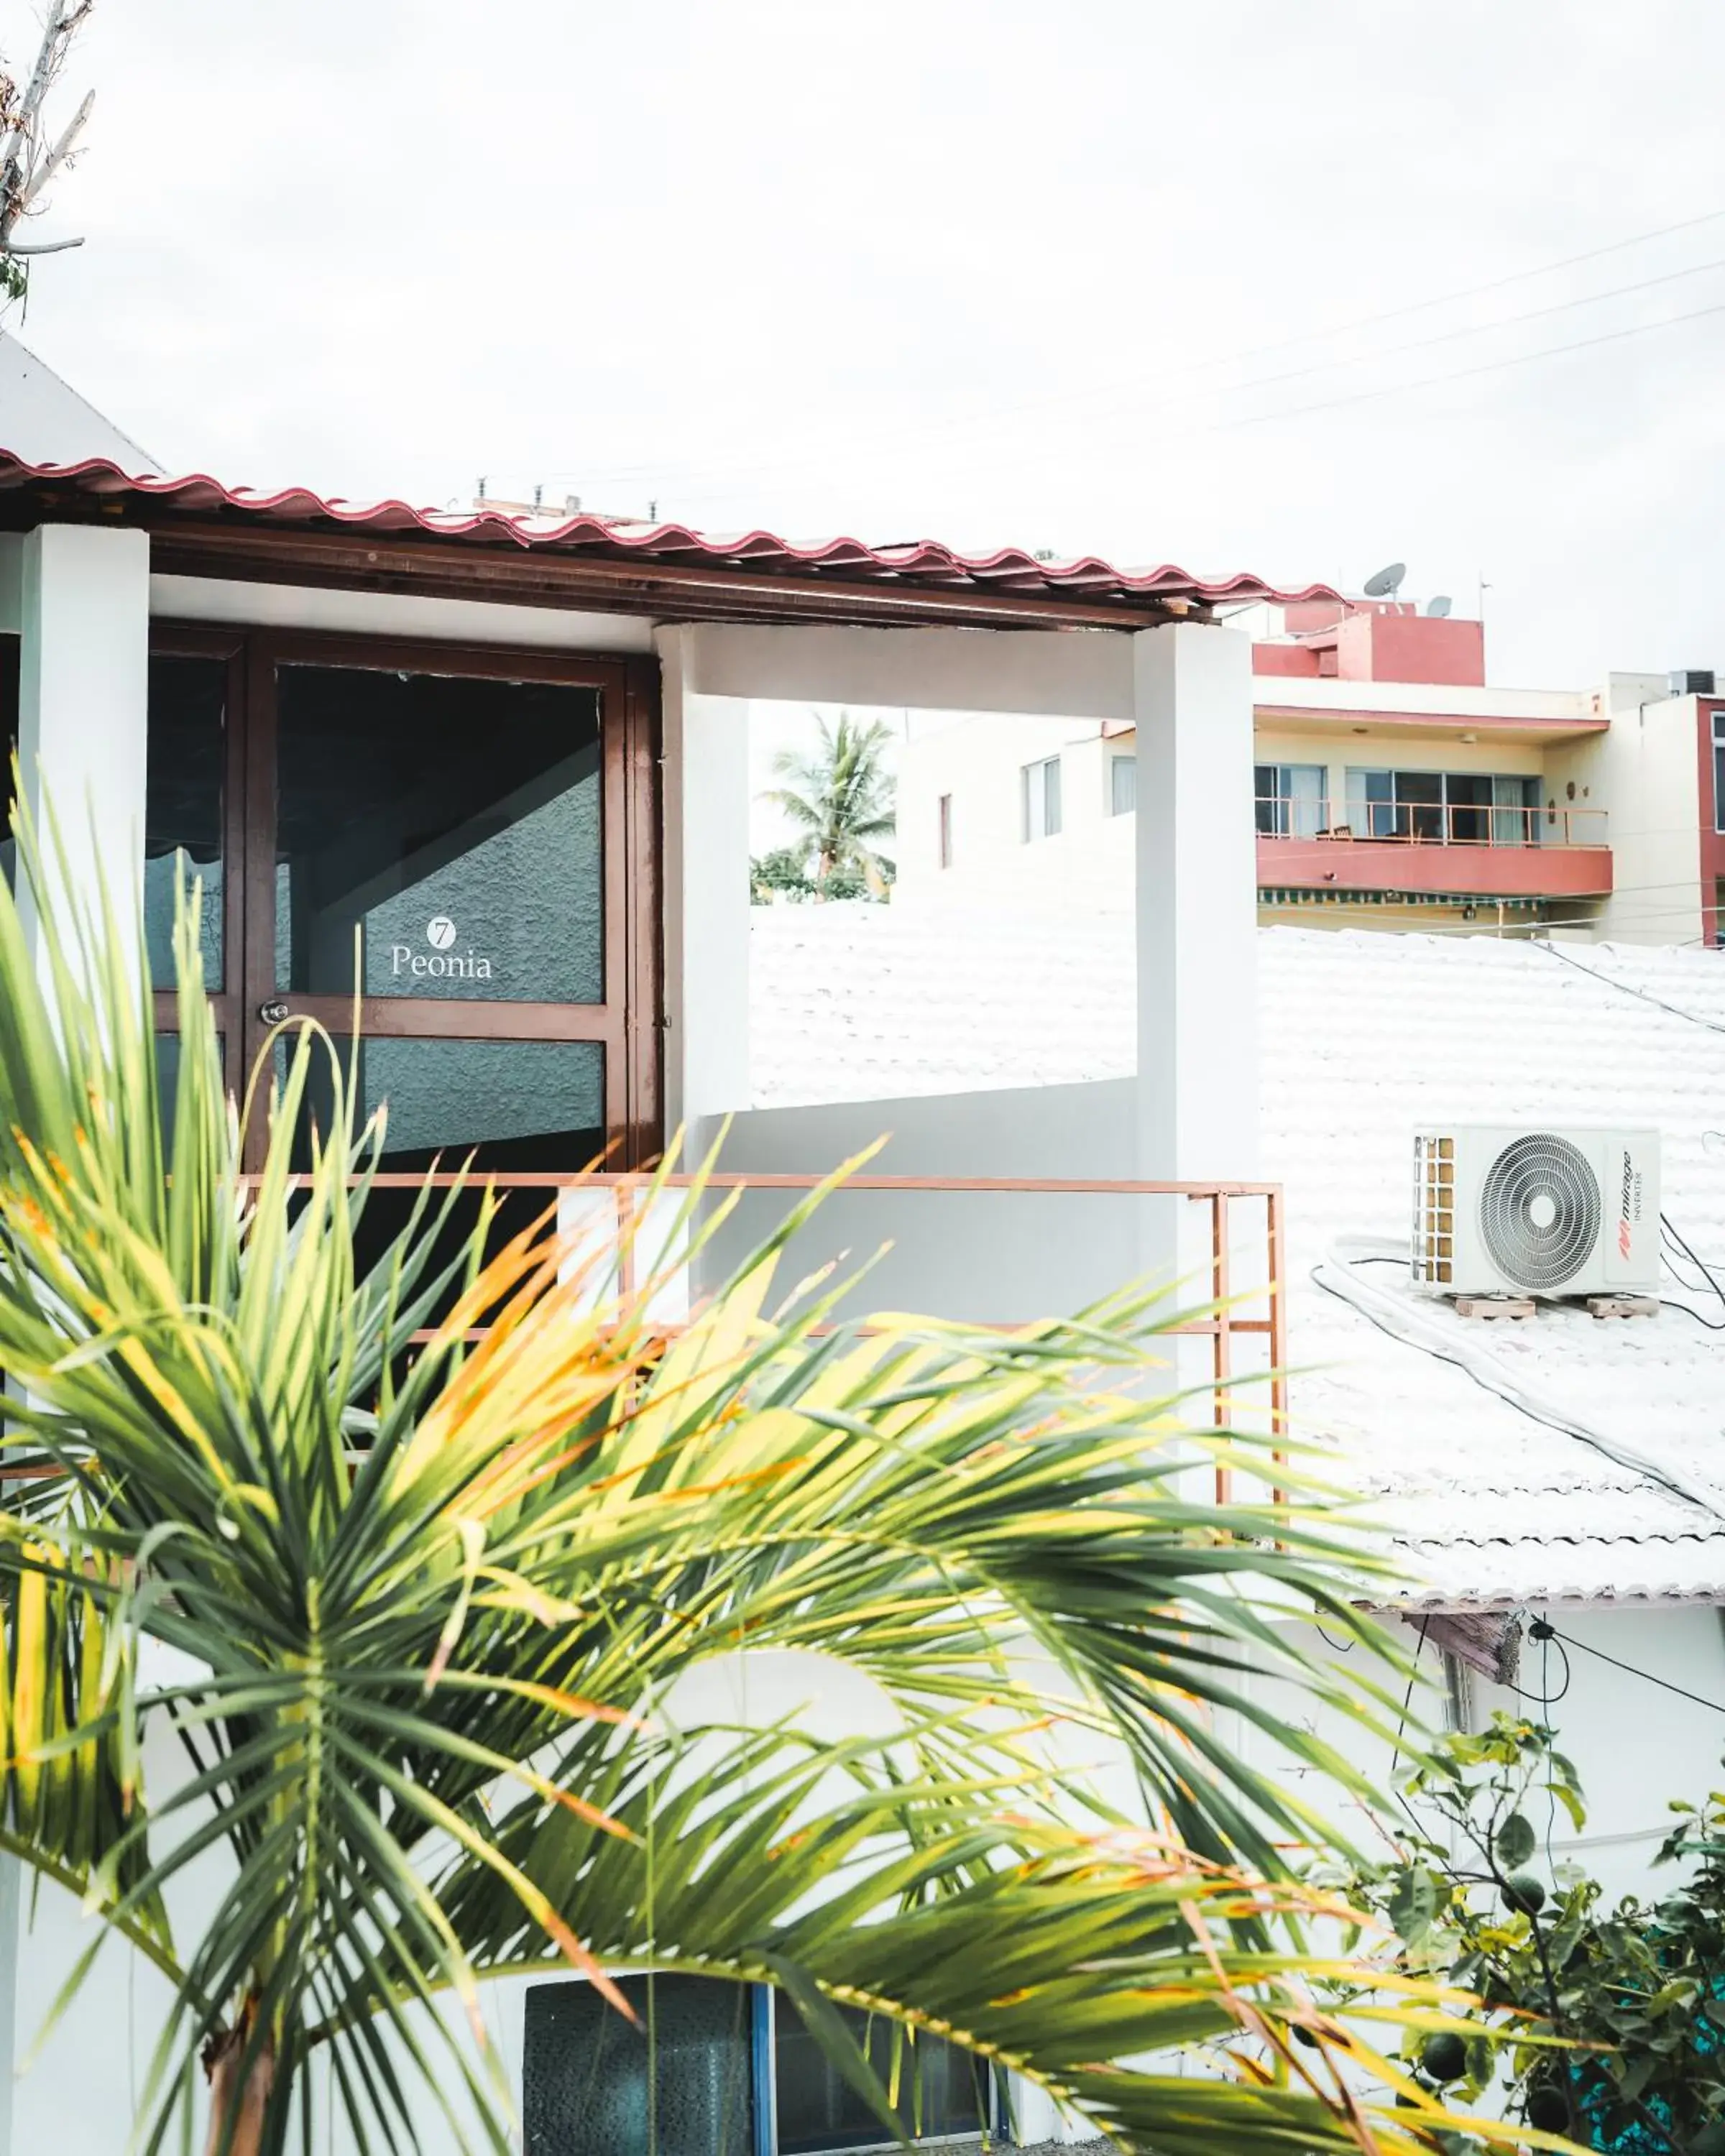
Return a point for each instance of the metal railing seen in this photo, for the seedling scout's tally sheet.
(1234, 1311)
(1431, 822)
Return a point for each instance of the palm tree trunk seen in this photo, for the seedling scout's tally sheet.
(237, 2108)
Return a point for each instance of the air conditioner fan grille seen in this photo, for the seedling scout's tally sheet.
(1539, 1211)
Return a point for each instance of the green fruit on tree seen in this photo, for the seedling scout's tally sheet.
(1444, 2056)
(1305, 2036)
(1522, 1891)
(1548, 2109)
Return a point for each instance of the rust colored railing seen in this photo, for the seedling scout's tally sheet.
(1431, 822)
(1229, 1316)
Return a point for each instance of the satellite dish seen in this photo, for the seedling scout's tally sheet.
(1387, 583)
(1439, 607)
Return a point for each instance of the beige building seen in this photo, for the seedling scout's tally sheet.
(1393, 787)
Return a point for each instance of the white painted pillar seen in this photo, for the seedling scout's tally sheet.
(706, 892)
(79, 597)
(1197, 905)
(82, 703)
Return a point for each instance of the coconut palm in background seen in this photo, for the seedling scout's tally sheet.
(839, 799)
(427, 1600)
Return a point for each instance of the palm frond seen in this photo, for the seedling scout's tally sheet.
(441, 1609)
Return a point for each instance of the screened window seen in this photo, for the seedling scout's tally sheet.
(730, 2069)
(1041, 798)
(1122, 785)
(943, 2092)
(1291, 800)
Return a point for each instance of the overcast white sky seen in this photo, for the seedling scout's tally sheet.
(1077, 276)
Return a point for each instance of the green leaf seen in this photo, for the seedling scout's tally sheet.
(1516, 1841)
(1413, 1903)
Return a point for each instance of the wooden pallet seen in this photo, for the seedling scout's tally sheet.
(1623, 1305)
(1494, 1307)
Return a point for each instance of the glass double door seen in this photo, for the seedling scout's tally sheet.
(457, 843)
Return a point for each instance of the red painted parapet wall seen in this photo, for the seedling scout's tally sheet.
(1473, 871)
(1375, 641)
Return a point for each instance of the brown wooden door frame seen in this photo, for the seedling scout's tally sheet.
(627, 1023)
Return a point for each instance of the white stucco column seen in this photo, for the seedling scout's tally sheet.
(1197, 905)
(79, 597)
(83, 702)
(706, 892)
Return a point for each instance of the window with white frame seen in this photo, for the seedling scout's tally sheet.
(1041, 798)
(1122, 785)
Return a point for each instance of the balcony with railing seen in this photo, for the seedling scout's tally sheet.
(1485, 849)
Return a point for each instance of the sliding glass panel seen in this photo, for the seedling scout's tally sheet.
(1419, 805)
(1371, 804)
(1468, 797)
(1515, 804)
(1267, 779)
(186, 757)
(1305, 784)
(680, 2084)
(452, 826)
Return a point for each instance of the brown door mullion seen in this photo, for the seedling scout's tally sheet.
(638, 991)
(256, 981)
(438, 1018)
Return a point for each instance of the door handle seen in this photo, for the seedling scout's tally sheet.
(274, 1011)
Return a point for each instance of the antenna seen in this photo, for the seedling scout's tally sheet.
(1439, 608)
(1387, 583)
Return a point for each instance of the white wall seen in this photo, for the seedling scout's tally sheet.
(979, 763)
(992, 1258)
(1647, 771)
(1635, 1747)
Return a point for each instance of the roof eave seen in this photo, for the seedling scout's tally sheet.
(254, 553)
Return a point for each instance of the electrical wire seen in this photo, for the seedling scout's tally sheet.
(1667, 1227)
(1628, 989)
(1466, 373)
(1065, 401)
(1629, 1669)
(1403, 1321)
(1407, 1697)
(1546, 1638)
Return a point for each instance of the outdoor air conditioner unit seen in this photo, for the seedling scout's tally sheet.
(1514, 1210)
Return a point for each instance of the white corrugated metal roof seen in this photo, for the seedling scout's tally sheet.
(1364, 1036)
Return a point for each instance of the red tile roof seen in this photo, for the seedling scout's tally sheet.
(918, 566)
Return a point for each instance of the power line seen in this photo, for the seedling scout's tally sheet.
(1139, 412)
(1627, 988)
(1480, 329)
(1465, 373)
(1066, 400)
(1629, 1669)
